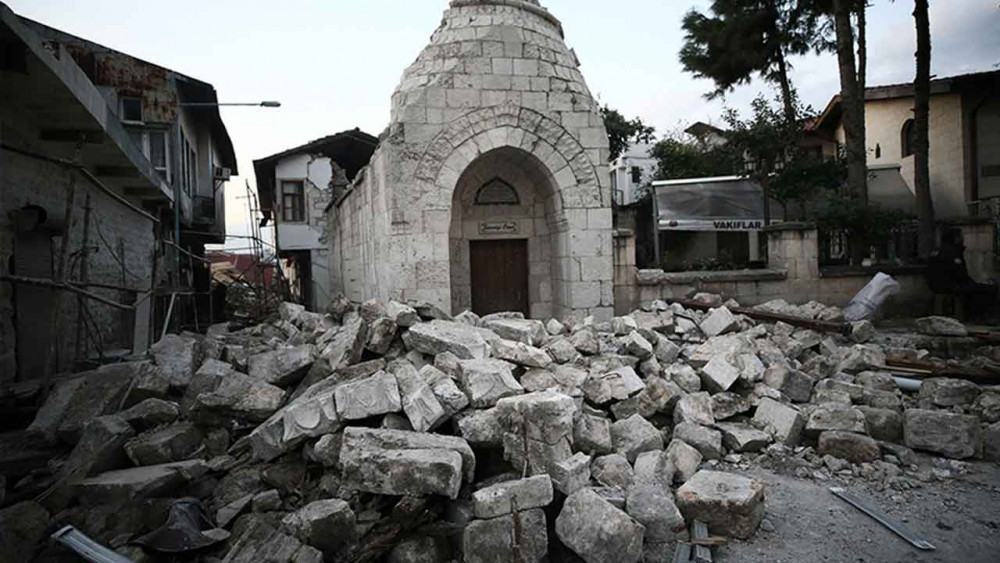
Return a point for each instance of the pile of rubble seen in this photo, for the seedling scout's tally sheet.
(395, 431)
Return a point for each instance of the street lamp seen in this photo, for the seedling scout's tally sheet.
(264, 104)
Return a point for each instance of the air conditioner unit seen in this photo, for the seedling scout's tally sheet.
(223, 173)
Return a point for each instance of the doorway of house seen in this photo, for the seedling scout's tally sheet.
(499, 271)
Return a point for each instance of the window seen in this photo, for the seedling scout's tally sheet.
(292, 202)
(497, 192)
(636, 175)
(907, 138)
(153, 143)
(158, 152)
(131, 109)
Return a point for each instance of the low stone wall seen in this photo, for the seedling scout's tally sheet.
(793, 274)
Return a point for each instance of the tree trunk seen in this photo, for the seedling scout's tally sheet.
(786, 89)
(765, 183)
(921, 123)
(852, 100)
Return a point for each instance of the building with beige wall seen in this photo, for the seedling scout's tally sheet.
(964, 138)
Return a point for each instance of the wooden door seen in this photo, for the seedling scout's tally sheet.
(499, 276)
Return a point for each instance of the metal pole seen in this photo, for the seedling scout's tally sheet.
(84, 277)
(656, 230)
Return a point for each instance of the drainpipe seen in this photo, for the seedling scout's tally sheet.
(177, 207)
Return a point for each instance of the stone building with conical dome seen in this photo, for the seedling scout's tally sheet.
(489, 190)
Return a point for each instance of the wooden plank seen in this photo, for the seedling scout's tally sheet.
(702, 553)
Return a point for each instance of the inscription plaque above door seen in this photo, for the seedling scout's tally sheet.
(499, 228)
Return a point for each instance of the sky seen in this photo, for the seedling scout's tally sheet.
(333, 64)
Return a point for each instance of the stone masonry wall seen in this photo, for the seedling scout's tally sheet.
(29, 181)
(497, 75)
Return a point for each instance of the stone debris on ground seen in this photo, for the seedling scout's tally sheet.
(394, 432)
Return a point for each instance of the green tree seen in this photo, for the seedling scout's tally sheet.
(678, 158)
(623, 132)
(772, 153)
(743, 38)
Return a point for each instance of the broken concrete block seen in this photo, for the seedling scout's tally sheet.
(561, 350)
(659, 395)
(99, 448)
(521, 353)
(513, 496)
(229, 512)
(876, 380)
(597, 531)
(635, 435)
(860, 356)
(235, 396)
(395, 462)
(946, 392)
(794, 384)
(166, 444)
(666, 352)
(638, 346)
(592, 434)
(178, 359)
(260, 541)
(991, 442)
(847, 445)
(987, 407)
(718, 322)
(481, 428)
(420, 550)
(731, 505)
(685, 377)
(951, 435)
(728, 405)
(125, 485)
(371, 396)
(554, 327)
(267, 501)
(148, 382)
(718, 375)
(529, 332)
(75, 402)
(312, 414)
(403, 315)
(327, 525)
(572, 474)
(704, 439)
(883, 424)
(381, 333)
(487, 381)
(695, 408)
(281, 367)
(941, 326)
(538, 429)
(23, 526)
(419, 402)
(150, 414)
(742, 438)
(781, 421)
(347, 345)
(612, 471)
(622, 326)
(855, 393)
(862, 331)
(514, 537)
(654, 508)
(585, 342)
(452, 399)
(685, 459)
(619, 384)
(654, 468)
(835, 416)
